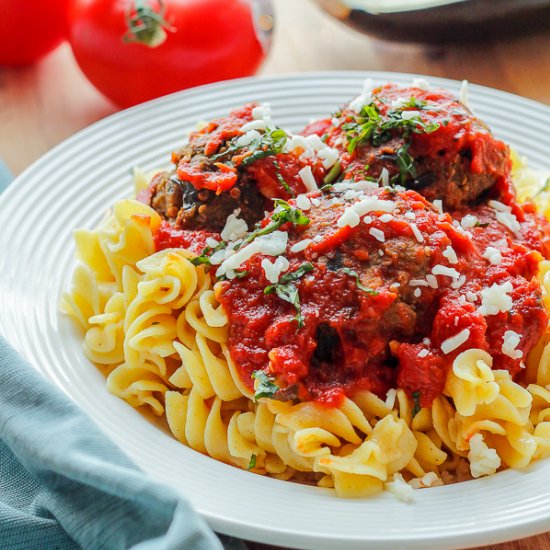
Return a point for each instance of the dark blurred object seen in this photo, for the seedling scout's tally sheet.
(440, 21)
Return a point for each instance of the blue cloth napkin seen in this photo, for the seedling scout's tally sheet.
(65, 485)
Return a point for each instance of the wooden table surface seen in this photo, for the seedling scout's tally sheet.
(43, 104)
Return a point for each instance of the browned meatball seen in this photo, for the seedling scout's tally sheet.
(424, 140)
(186, 207)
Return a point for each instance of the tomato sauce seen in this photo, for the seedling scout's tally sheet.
(391, 300)
(168, 236)
(352, 339)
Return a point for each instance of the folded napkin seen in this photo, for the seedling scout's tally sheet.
(65, 485)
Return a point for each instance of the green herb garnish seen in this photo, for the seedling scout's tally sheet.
(479, 224)
(252, 463)
(358, 282)
(266, 387)
(287, 290)
(369, 126)
(281, 180)
(405, 163)
(333, 173)
(285, 214)
(204, 258)
(271, 142)
(416, 399)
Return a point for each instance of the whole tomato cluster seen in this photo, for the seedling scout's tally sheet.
(136, 50)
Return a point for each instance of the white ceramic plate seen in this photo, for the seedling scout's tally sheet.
(77, 181)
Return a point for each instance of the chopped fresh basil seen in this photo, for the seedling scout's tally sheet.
(252, 463)
(287, 290)
(405, 163)
(416, 399)
(266, 387)
(479, 224)
(204, 258)
(358, 282)
(285, 214)
(271, 142)
(281, 180)
(333, 173)
(370, 126)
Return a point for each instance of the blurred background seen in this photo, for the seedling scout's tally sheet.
(43, 103)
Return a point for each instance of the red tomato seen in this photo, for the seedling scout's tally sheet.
(204, 41)
(29, 29)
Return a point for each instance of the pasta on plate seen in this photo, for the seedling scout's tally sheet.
(361, 307)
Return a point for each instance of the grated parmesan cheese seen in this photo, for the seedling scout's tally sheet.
(454, 342)
(432, 281)
(423, 353)
(349, 218)
(385, 176)
(390, 398)
(315, 142)
(464, 95)
(483, 460)
(418, 282)
(300, 245)
(458, 282)
(493, 255)
(248, 138)
(296, 142)
(416, 232)
(373, 205)
(417, 293)
(234, 228)
(427, 480)
(450, 254)
(303, 203)
(438, 205)
(385, 218)
(468, 221)
(377, 234)
(262, 112)
(211, 242)
(495, 299)
(509, 220)
(400, 488)
(254, 125)
(398, 102)
(444, 270)
(328, 156)
(497, 205)
(510, 342)
(272, 244)
(365, 98)
(307, 178)
(274, 269)
(409, 115)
